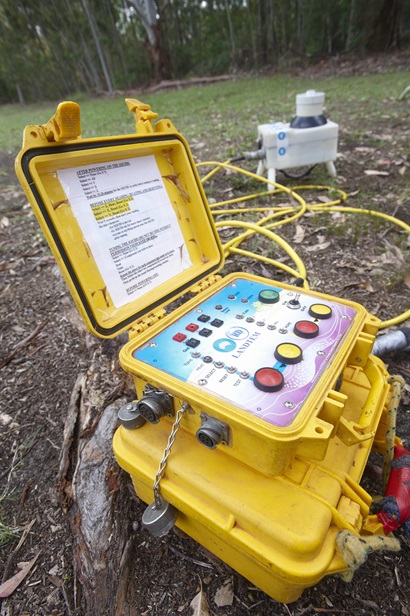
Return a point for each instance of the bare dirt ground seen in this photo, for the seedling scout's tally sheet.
(45, 347)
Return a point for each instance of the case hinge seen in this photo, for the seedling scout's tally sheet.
(205, 283)
(144, 116)
(65, 123)
(140, 326)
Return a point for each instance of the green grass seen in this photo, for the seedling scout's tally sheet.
(223, 112)
(7, 533)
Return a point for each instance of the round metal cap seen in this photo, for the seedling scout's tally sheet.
(159, 521)
(129, 416)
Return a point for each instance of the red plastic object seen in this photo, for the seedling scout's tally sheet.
(395, 506)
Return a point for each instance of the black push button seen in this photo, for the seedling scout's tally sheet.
(193, 342)
(217, 323)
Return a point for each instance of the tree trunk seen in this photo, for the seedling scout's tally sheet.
(94, 495)
(262, 33)
(386, 27)
(96, 38)
(231, 34)
(20, 94)
(159, 56)
(300, 33)
(351, 26)
(155, 43)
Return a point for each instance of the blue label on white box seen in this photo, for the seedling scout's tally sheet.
(283, 142)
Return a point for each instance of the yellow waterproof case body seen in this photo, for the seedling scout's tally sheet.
(282, 400)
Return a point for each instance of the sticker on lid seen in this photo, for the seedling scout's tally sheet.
(129, 224)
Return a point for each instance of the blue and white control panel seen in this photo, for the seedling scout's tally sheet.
(261, 348)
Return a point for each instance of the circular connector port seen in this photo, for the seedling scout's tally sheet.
(153, 406)
(210, 434)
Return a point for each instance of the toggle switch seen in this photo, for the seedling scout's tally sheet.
(294, 303)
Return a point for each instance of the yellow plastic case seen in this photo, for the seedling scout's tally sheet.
(283, 398)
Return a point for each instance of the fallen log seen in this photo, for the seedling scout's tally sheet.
(188, 83)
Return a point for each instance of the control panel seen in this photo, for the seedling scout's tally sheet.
(261, 348)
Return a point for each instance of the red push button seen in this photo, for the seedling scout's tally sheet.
(179, 337)
(306, 329)
(192, 327)
(268, 380)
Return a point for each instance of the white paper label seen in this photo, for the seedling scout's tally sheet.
(129, 223)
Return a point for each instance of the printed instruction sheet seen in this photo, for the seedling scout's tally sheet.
(129, 223)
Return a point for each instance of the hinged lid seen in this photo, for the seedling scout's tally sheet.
(126, 217)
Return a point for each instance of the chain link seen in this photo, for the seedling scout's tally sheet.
(167, 451)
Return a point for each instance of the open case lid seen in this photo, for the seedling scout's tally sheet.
(126, 217)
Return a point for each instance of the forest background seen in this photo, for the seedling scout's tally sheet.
(51, 49)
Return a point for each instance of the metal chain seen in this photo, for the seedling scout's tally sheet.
(167, 451)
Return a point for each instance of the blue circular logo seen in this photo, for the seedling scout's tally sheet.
(282, 136)
(237, 333)
(224, 345)
(282, 151)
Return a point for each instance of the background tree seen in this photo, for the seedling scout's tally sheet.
(387, 26)
(54, 49)
(149, 13)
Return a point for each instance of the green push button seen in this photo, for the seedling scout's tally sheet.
(268, 296)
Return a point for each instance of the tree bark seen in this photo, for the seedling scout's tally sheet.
(95, 497)
(386, 27)
(231, 33)
(96, 38)
(155, 43)
(158, 53)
